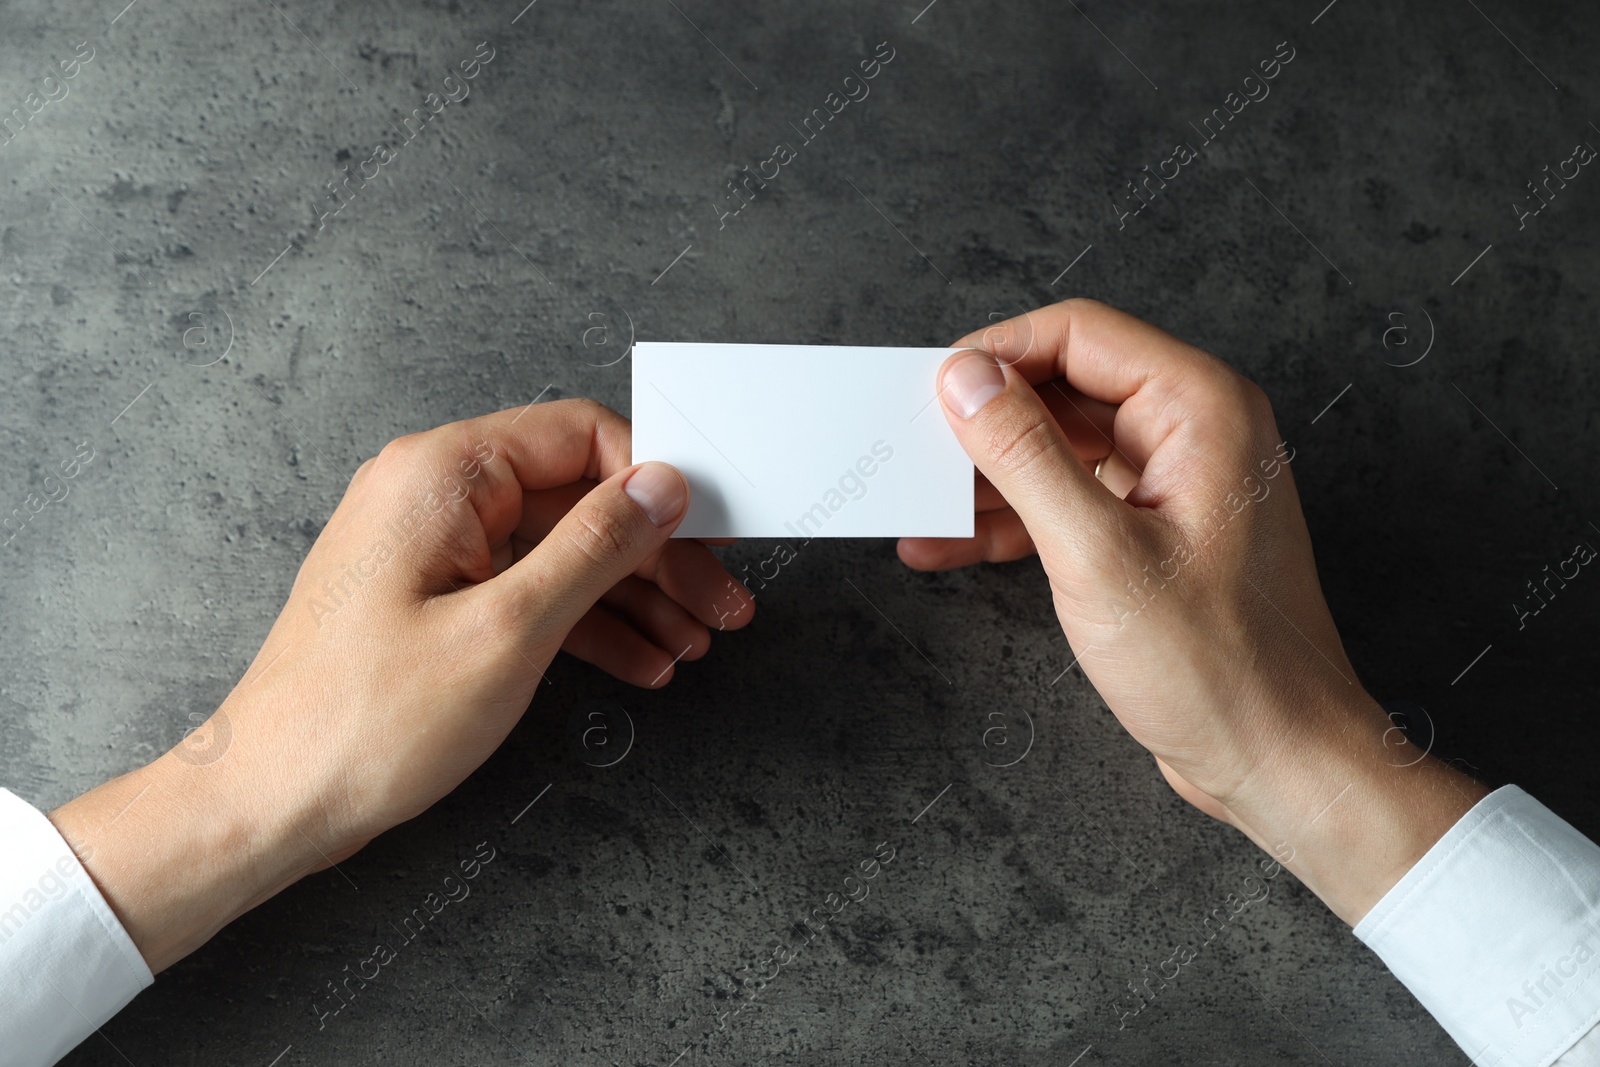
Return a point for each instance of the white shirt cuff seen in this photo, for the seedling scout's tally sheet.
(1497, 932)
(66, 963)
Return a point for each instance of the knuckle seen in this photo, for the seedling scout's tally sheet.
(1081, 305)
(400, 452)
(1227, 395)
(1254, 398)
(602, 422)
(1017, 448)
(602, 535)
(603, 417)
(586, 406)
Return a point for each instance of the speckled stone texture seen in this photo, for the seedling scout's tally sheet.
(179, 299)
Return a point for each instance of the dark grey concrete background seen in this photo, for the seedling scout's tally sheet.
(590, 153)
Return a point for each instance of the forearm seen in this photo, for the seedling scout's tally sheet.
(179, 850)
(1349, 806)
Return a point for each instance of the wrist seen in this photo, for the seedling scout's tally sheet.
(182, 846)
(1349, 804)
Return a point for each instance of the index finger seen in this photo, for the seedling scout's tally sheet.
(546, 445)
(558, 451)
(1160, 386)
(490, 462)
(1102, 352)
(546, 448)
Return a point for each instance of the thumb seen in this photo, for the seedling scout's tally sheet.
(602, 540)
(1014, 440)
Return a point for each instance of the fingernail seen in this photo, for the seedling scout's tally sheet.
(659, 491)
(971, 382)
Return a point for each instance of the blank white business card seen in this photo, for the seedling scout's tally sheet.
(801, 441)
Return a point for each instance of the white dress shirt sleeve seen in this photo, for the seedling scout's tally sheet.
(1497, 932)
(66, 963)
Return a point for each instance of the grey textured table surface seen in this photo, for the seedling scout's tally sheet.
(169, 296)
